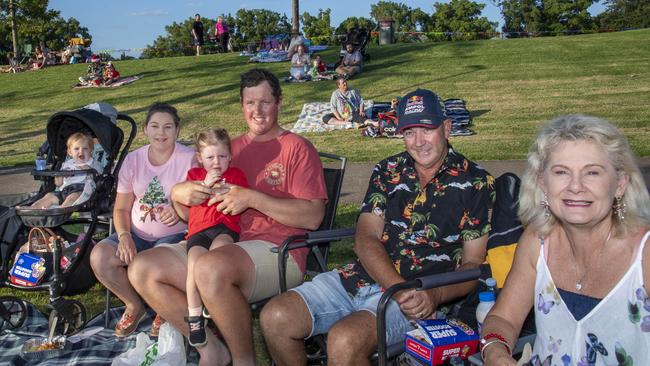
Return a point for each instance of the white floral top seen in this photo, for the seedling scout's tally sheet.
(615, 332)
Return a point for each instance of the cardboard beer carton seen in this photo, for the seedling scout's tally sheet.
(27, 270)
(435, 341)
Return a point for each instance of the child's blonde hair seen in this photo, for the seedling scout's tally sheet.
(77, 136)
(211, 137)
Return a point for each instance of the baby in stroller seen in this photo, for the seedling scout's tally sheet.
(80, 151)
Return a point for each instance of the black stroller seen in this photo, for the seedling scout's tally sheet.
(359, 38)
(65, 261)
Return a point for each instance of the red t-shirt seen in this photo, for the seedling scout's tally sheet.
(203, 216)
(285, 167)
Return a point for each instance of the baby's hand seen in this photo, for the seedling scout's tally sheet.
(211, 178)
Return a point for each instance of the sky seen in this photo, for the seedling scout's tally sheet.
(133, 24)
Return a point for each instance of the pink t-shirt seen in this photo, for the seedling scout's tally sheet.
(285, 167)
(151, 186)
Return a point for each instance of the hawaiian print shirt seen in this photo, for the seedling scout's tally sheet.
(424, 227)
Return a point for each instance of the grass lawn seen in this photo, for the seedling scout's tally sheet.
(511, 86)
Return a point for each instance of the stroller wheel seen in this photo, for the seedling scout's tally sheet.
(12, 313)
(69, 319)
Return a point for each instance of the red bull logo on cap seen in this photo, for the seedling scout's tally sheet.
(415, 104)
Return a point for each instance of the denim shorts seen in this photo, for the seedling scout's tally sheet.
(329, 302)
(141, 244)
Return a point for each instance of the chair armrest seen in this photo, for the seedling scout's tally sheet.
(307, 240)
(420, 283)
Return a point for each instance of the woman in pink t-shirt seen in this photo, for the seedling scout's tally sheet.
(222, 33)
(143, 214)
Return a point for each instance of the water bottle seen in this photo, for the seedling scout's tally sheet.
(40, 162)
(491, 285)
(487, 302)
(305, 68)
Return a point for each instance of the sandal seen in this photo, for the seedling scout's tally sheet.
(155, 326)
(128, 324)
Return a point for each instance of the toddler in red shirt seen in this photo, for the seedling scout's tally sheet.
(207, 227)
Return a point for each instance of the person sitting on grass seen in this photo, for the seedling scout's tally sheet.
(300, 63)
(347, 106)
(94, 72)
(80, 151)
(351, 63)
(209, 228)
(110, 74)
(318, 70)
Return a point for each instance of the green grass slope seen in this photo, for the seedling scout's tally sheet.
(511, 87)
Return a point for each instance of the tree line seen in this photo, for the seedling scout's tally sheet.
(456, 20)
(35, 24)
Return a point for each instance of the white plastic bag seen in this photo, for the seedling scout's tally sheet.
(171, 347)
(134, 356)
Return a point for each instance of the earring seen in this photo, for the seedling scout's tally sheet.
(619, 208)
(545, 205)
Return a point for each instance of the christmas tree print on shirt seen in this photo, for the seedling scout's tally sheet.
(153, 200)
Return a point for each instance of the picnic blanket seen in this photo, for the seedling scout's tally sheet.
(311, 117)
(270, 56)
(96, 349)
(121, 81)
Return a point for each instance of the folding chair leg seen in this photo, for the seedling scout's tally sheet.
(107, 311)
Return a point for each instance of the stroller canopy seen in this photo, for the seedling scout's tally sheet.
(63, 124)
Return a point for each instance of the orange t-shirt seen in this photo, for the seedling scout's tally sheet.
(285, 167)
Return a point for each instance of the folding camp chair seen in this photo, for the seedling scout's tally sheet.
(385, 352)
(505, 232)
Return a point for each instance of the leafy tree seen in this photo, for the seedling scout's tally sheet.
(354, 22)
(37, 24)
(177, 42)
(621, 14)
(557, 16)
(402, 14)
(567, 15)
(255, 24)
(317, 28)
(462, 17)
(247, 26)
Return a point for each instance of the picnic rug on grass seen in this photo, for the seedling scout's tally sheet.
(85, 348)
(311, 117)
(121, 81)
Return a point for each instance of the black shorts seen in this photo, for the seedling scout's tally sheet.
(204, 238)
(72, 188)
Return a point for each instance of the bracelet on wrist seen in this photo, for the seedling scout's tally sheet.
(493, 338)
(123, 233)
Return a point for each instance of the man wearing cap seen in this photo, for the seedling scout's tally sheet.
(427, 210)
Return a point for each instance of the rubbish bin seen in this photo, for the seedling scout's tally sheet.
(386, 31)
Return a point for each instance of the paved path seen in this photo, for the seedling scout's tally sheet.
(18, 180)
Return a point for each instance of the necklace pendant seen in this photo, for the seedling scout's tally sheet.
(578, 286)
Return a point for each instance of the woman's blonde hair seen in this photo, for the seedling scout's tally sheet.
(212, 137)
(609, 139)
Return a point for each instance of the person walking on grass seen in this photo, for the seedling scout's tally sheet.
(197, 33)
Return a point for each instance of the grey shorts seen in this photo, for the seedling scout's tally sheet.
(328, 302)
(267, 281)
